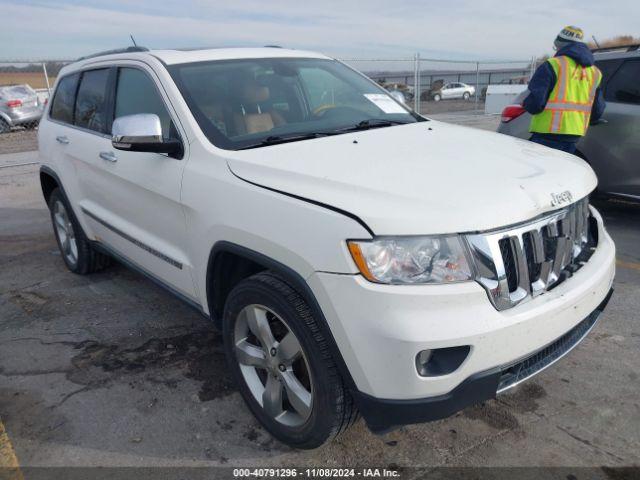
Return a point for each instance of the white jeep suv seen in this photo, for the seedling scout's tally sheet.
(359, 258)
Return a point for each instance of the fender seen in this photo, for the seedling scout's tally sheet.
(296, 281)
(49, 171)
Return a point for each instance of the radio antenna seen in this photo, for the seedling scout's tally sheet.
(133, 40)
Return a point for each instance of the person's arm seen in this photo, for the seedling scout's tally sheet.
(598, 106)
(540, 87)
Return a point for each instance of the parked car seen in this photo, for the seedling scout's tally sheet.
(19, 106)
(453, 90)
(610, 146)
(358, 257)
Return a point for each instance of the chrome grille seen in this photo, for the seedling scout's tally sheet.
(524, 261)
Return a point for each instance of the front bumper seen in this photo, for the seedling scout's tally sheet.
(379, 330)
(383, 415)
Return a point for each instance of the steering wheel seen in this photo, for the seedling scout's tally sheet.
(318, 111)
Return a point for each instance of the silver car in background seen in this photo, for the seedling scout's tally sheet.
(454, 90)
(612, 146)
(19, 106)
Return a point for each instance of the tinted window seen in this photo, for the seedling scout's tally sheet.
(624, 86)
(62, 106)
(608, 68)
(91, 104)
(136, 93)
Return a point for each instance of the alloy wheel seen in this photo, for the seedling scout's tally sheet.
(273, 365)
(65, 233)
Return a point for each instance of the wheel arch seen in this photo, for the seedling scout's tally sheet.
(220, 281)
(6, 118)
(49, 181)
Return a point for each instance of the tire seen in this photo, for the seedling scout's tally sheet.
(325, 408)
(437, 97)
(31, 125)
(76, 250)
(466, 96)
(4, 126)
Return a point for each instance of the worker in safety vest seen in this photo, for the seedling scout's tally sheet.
(564, 94)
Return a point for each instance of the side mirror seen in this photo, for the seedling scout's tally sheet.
(142, 132)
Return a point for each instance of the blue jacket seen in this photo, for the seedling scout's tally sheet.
(544, 79)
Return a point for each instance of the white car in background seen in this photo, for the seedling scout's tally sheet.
(453, 90)
(358, 257)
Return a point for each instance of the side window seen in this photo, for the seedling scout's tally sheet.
(91, 104)
(624, 86)
(137, 93)
(64, 98)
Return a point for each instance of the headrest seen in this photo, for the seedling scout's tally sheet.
(254, 93)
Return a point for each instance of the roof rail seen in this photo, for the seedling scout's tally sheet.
(117, 50)
(626, 48)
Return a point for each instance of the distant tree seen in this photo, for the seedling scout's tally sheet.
(619, 41)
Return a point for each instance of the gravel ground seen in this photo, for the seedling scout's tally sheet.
(110, 370)
(19, 140)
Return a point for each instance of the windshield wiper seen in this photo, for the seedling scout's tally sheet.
(277, 139)
(372, 123)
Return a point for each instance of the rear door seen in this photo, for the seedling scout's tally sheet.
(132, 199)
(613, 148)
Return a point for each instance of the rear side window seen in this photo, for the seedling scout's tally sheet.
(608, 68)
(91, 104)
(137, 93)
(624, 86)
(64, 98)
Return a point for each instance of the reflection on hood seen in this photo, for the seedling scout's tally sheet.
(579, 52)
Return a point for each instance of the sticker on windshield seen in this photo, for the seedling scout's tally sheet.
(384, 103)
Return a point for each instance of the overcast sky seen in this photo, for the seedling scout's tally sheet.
(462, 29)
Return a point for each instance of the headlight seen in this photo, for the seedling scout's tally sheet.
(408, 260)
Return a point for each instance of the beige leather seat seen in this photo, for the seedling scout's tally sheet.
(251, 118)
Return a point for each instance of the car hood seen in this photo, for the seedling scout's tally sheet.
(422, 178)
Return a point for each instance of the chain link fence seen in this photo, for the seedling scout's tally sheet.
(24, 92)
(432, 85)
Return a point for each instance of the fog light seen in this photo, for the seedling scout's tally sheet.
(441, 361)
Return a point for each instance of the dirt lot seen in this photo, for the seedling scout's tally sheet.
(110, 370)
(35, 79)
(19, 140)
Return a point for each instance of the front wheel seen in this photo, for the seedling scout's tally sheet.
(281, 362)
(466, 95)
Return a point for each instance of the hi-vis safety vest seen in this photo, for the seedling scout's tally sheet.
(568, 108)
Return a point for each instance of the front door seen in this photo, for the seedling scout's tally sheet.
(132, 199)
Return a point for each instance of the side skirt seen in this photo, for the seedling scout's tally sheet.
(102, 248)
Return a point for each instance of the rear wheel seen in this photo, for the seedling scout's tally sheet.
(437, 97)
(77, 252)
(282, 363)
(4, 126)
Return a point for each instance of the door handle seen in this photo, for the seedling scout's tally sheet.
(108, 156)
(62, 139)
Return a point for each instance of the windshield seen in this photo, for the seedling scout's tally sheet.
(251, 103)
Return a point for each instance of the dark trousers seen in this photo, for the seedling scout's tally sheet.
(568, 146)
